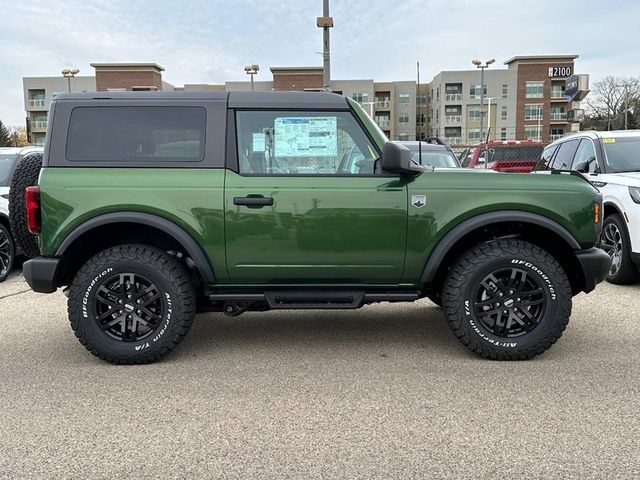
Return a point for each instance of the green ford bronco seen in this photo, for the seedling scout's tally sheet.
(149, 207)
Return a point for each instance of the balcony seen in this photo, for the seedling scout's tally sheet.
(558, 117)
(383, 103)
(453, 97)
(383, 123)
(37, 103)
(453, 119)
(557, 95)
(555, 136)
(39, 125)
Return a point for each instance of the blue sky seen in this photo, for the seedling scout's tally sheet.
(200, 41)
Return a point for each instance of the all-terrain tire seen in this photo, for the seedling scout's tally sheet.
(7, 252)
(125, 272)
(25, 175)
(472, 298)
(619, 249)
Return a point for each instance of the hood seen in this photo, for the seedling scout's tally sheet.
(630, 179)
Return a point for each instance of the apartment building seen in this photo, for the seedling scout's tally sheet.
(525, 101)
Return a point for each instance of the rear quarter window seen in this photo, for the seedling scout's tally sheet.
(133, 134)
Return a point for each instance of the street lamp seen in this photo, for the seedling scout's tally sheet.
(68, 73)
(482, 66)
(251, 70)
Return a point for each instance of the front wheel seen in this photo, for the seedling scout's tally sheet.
(507, 300)
(131, 304)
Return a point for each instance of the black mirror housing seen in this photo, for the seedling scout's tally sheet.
(396, 158)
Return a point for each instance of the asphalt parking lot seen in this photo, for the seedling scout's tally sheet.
(383, 392)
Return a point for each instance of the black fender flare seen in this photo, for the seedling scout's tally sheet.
(178, 233)
(473, 223)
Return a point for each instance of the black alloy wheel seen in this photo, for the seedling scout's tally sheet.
(7, 253)
(509, 302)
(128, 307)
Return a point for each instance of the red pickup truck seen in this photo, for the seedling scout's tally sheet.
(504, 156)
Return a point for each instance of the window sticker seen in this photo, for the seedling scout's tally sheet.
(306, 136)
(259, 142)
(608, 140)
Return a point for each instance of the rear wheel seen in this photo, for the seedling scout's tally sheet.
(7, 252)
(615, 241)
(25, 175)
(131, 304)
(507, 300)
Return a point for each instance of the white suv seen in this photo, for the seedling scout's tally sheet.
(9, 157)
(611, 161)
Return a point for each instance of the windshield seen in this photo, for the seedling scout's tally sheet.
(6, 164)
(622, 154)
(435, 159)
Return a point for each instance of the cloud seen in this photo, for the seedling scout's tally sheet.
(208, 41)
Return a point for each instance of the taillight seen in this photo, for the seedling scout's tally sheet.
(32, 196)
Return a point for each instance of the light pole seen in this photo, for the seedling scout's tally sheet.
(69, 73)
(325, 22)
(482, 66)
(251, 70)
(488, 118)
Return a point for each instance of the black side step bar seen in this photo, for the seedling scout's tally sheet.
(292, 299)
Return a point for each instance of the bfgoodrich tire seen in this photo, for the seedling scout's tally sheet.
(507, 300)
(25, 175)
(131, 304)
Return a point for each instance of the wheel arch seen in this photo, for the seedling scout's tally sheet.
(537, 229)
(96, 234)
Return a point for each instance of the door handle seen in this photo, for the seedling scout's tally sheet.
(253, 201)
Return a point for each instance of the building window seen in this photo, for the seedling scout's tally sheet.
(404, 98)
(360, 97)
(557, 91)
(503, 134)
(503, 112)
(474, 113)
(474, 90)
(532, 133)
(534, 90)
(533, 112)
(403, 118)
(555, 134)
(421, 99)
(473, 135)
(403, 137)
(558, 113)
(505, 90)
(55, 94)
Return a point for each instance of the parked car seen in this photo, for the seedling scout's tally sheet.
(611, 161)
(288, 200)
(504, 156)
(432, 154)
(9, 156)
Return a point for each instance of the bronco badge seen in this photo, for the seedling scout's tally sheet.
(418, 201)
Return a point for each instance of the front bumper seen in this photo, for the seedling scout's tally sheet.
(41, 273)
(595, 264)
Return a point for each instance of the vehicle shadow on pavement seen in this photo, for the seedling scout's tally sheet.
(381, 327)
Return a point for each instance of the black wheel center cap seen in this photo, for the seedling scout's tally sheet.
(128, 307)
(508, 302)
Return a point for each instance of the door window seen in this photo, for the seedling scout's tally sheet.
(563, 158)
(303, 143)
(545, 159)
(585, 158)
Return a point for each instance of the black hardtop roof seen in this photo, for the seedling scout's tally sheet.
(235, 99)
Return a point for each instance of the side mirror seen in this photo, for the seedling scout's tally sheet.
(397, 158)
(582, 167)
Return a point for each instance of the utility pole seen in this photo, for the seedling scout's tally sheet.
(325, 22)
(251, 70)
(626, 105)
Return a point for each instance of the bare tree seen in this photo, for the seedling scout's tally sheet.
(612, 101)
